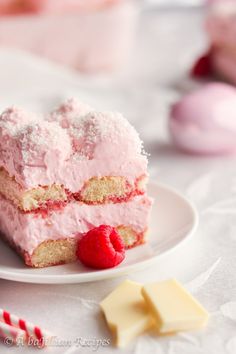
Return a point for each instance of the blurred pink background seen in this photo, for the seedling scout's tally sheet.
(91, 35)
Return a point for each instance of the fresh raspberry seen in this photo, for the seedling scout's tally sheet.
(202, 68)
(102, 247)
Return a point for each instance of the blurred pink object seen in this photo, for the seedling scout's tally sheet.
(11, 7)
(221, 29)
(90, 35)
(213, 2)
(6, 6)
(204, 122)
(61, 6)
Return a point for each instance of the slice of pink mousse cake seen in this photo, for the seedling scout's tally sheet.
(65, 173)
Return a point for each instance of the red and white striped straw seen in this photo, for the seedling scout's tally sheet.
(29, 328)
(11, 335)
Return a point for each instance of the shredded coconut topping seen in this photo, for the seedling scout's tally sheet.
(68, 111)
(108, 127)
(37, 139)
(72, 129)
(13, 119)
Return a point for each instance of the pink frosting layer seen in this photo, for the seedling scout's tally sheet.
(29, 230)
(69, 146)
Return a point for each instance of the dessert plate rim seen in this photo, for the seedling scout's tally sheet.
(31, 275)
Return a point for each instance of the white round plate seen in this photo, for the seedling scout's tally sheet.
(173, 220)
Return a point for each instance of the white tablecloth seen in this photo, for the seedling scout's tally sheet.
(167, 44)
